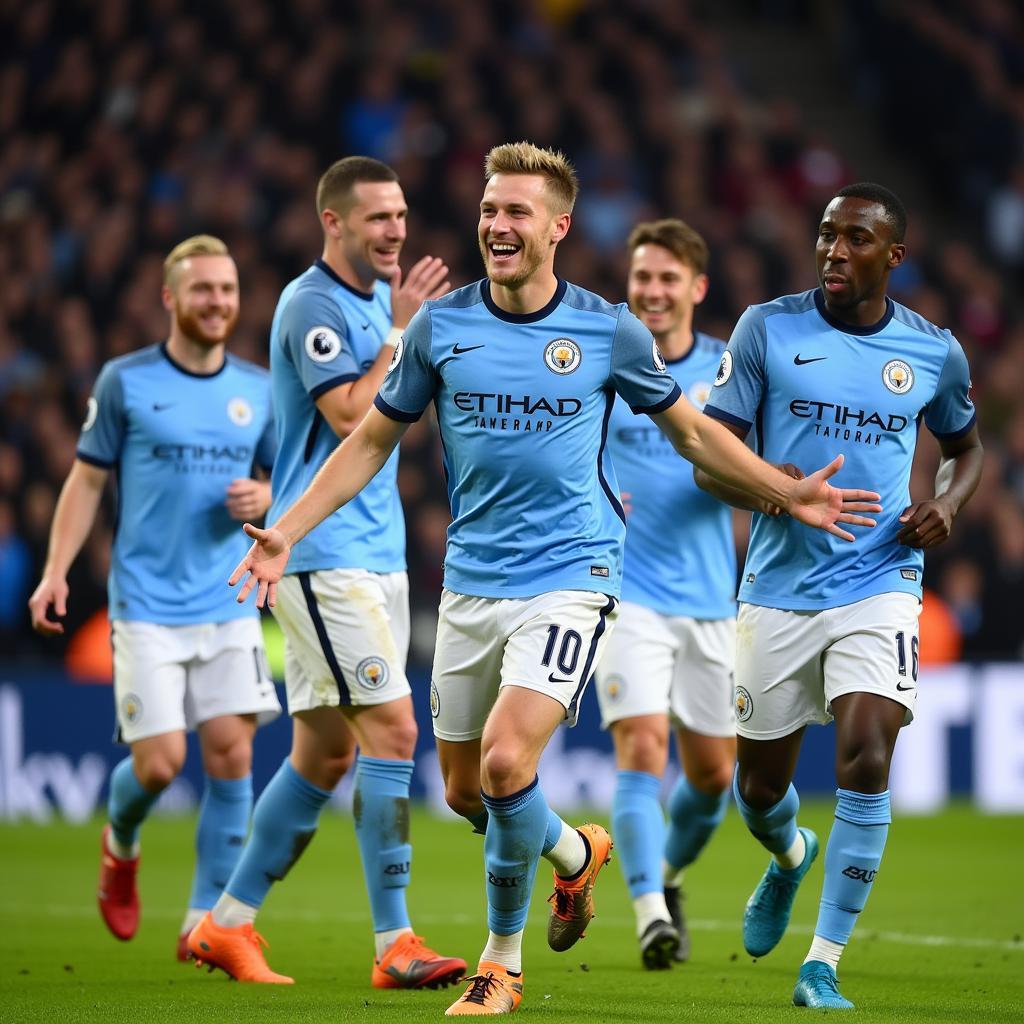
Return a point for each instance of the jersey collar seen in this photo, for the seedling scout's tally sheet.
(890, 309)
(522, 318)
(191, 373)
(365, 296)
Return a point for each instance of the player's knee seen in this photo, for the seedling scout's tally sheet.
(640, 748)
(231, 761)
(156, 773)
(759, 793)
(333, 768)
(463, 799)
(713, 779)
(502, 769)
(864, 769)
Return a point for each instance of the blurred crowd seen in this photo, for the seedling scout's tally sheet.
(125, 127)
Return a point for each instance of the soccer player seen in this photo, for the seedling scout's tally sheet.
(182, 424)
(523, 369)
(671, 654)
(828, 631)
(344, 607)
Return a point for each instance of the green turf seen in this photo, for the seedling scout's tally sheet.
(940, 940)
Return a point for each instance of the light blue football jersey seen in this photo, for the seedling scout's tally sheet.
(176, 440)
(680, 556)
(326, 333)
(523, 403)
(812, 388)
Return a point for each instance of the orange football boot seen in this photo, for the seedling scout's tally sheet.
(572, 902)
(408, 963)
(491, 990)
(237, 952)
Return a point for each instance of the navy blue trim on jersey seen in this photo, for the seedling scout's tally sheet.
(93, 461)
(329, 385)
(344, 697)
(956, 435)
(612, 496)
(190, 373)
(321, 265)
(652, 410)
(314, 430)
(602, 625)
(396, 414)
(890, 309)
(522, 318)
(726, 417)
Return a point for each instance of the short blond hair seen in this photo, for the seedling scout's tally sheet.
(551, 164)
(197, 245)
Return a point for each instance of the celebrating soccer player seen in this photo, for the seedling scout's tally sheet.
(671, 654)
(344, 607)
(181, 424)
(523, 369)
(828, 631)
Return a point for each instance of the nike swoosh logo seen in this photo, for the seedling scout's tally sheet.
(366, 325)
(552, 678)
(803, 362)
(467, 348)
(160, 406)
(902, 688)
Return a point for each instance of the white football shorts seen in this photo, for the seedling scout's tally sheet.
(173, 678)
(346, 635)
(550, 643)
(659, 664)
(791, 665)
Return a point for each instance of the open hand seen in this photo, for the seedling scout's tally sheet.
(815, 502)
(264, 563)
(926, 523)
(428, 279)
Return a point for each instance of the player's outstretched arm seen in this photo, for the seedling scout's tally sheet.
(928, 523)
(720, 454)
(352, 465)
(72, 520)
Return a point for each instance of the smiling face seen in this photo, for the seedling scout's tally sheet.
(202, 297)
(662, 290)
(854, 255)
(518, 231)
(371, 232)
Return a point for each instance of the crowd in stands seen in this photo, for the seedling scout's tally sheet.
(125, 127)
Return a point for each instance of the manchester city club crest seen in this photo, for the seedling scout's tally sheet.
(562, 355)
(131, 707)
(240, 412)
(744, 704)
(898, 376)
(372, 672)
(615, 688)
(699, 393)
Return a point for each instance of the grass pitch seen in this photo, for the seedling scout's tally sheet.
(939, 941)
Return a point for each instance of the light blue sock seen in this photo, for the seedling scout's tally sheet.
(852, 856)
(693, 817)
(515, 838)
(553, 833)
(129, 802)
(283, 824)
(220, 836)
(380, 805)
(638, 825)
(775, 828)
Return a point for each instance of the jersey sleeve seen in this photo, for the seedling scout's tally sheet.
(103, 431)
(411, 381)
(638, 371)
(950, 414)
(739, 383)
(315, 337)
